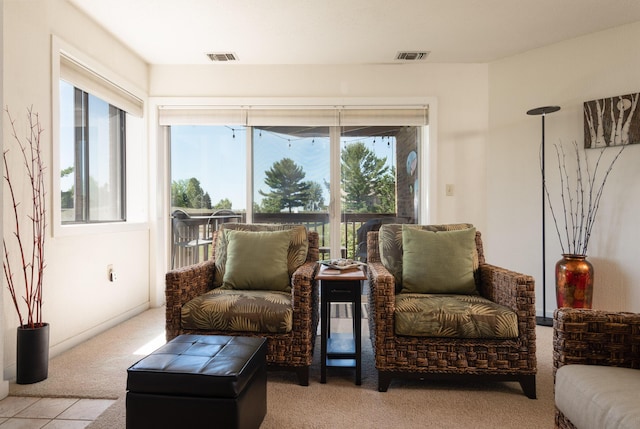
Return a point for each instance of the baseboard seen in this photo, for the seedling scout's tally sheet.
(90, 333)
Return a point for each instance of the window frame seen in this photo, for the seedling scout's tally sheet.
(83, 154)
(136, 151)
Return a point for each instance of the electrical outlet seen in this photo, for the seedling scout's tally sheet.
(111, 273)
(449, 190)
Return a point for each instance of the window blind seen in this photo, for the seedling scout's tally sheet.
(303, 115)
(374, 116)
(202, 116)
(89, 81)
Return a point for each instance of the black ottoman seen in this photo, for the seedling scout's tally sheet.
(199, 381)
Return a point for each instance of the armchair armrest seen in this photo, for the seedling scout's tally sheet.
(303, 286)
(181, 286)
(515, 291)
(382, 302)
(509, 288)
(594, 337)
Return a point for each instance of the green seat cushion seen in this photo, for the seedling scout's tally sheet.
(390, 245)
(438, 261)
(296, 254)
(239, 310)
(453, 316)
(257, 260)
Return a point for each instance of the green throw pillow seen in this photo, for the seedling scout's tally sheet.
(438, 262)
(257, 260)
(298, 244)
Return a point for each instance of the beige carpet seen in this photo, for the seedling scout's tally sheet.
(97, 369)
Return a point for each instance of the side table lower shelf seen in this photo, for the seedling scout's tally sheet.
(341, 351)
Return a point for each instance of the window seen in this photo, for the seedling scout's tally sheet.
(331, 168)
(92, 158)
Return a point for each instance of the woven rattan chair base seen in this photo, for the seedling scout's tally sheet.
(425, 357)
(561, 422)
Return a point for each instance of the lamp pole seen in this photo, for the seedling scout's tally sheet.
(543, 320)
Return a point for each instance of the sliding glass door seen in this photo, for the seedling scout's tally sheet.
(339, 180)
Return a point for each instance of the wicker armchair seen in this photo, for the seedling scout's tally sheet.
(593, 337)
(291, 350)
(421, 357)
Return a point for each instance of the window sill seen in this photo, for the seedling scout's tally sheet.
(98, 228)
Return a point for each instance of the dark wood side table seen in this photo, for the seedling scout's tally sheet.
(340, 350)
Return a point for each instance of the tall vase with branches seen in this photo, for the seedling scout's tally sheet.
(580, 201)
(25, 272)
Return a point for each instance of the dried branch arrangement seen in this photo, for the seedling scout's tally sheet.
(30, 245)
(580, 199)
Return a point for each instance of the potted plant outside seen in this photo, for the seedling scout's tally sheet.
(25, 271)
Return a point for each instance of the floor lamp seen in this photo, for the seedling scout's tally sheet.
(543, 320)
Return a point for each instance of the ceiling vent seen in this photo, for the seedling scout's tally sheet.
(222, 56)
(412, 56)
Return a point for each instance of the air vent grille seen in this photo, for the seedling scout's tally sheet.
(412, 56)
(222, 56)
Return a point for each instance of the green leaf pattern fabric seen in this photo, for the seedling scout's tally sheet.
(296, 253)
(453, 316)
(390, 244)
(239, 310)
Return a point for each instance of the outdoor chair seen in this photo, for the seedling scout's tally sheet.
(259, 282)
(437, 310)
(186, 235)
(368, 226)
(596, 368)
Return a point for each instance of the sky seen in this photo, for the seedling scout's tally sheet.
(216, 156)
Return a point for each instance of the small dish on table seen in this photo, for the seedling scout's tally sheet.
(342, 264)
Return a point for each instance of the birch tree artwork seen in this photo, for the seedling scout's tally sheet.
(611, 121)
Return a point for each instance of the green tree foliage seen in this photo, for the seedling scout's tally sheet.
(363, 179)
(315, 201)
(285, 178)
(224, 203)
(179, 193)
(189, 193)
(270, 204)
(66, 197)
(386, 191)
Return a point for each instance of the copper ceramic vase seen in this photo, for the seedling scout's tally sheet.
(574, 281)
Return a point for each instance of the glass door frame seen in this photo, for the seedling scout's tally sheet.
(160, 195)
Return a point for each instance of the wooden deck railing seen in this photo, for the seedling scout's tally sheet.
(319, 222)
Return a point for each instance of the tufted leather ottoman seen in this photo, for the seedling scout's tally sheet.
(199, 381)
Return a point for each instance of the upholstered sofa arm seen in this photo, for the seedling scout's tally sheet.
(181, 286)
(595, 337)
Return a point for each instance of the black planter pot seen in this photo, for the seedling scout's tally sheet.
(32, 354)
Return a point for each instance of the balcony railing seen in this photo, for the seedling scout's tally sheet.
(203, 229)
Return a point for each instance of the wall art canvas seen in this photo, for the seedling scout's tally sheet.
(611, 121)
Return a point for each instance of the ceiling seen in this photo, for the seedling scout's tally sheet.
(349, 31)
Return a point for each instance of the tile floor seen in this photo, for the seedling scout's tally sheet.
(19, 412)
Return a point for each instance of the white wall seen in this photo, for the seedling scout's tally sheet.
(567, 74)
(78, 298)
